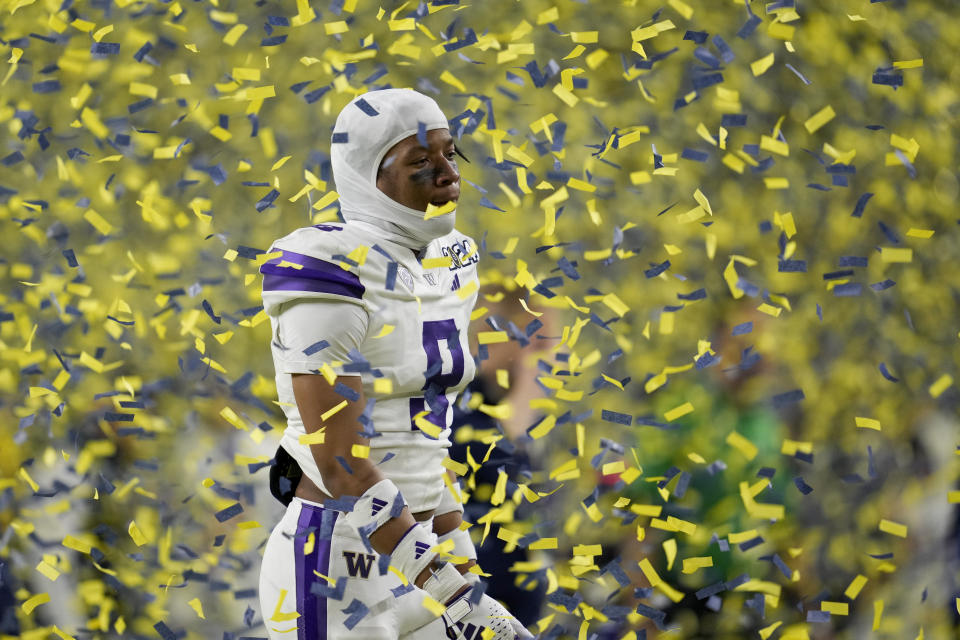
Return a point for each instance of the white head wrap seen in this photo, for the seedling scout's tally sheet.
(372, 123)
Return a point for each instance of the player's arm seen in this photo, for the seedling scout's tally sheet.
(315, 397)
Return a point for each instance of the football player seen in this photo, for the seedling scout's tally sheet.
(369, 340)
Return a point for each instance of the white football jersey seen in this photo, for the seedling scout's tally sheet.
(341, 296)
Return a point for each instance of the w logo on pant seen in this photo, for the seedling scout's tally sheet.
(420, 548)
(358, 563)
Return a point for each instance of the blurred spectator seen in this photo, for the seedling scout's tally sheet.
(505, 376)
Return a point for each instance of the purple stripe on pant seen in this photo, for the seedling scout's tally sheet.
(312, 624)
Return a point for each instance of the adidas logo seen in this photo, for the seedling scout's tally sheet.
(420, 548)
(378, 505)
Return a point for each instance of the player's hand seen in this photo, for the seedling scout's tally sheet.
(466, 620)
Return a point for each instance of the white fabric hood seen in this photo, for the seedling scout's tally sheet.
(365, 130)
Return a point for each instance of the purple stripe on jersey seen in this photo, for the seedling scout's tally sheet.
(315, 275)
(312, 624)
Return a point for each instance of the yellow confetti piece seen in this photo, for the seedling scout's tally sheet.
(908, 64)
(682, 8)
(30, 481)
(76, 544)
(744, 446)
(492, 337)
(867, 423)
(360, 451)
(197, 606)
(893, 528)
(913, 232)
(877, 613)
(855, 587)
(383, 386)
(770, 310)
(678, 412)
(442, 262)
(891, 254)
(332, 411)
(760, 66)
(97, 222)
(138, 538)
(835, 608)
(426, 426)
(819, 119)
(692, 565)
(48, 571)
(942, 384)
(317, 437)
(767, 631)
(34, 601)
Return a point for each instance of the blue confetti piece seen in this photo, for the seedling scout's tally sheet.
(699, 294)
(726, 53)
(356, 610)
(818, 616)
(267, 201)
(742, 328)
(886, 373)
(273, 41)
(71, 258)
(346, 392)
(852, 261)
(164, 631)
(788, 397)
(888, 78)
(366, 107)
(209, 309)
(143, 51)
(657, 269)
(105, 48)
(861, 205)
(753, 21)
(616, 417)
(344, 503)
(731, 120)
(225, 514)
(848, 289)
(792, 266)
(803, 487)
(819, 312)
(802, 77)
(315, 347)
(422, 134)
(694, 154)
(315, 95)
(699, 37)
(217, 174)
(485, 202)
(340, 137)
(706, 360)
(882, 286)
(47, 86)
(323, 588)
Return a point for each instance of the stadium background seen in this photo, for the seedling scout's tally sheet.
(653, 176)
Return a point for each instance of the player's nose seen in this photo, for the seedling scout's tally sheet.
(447, 172)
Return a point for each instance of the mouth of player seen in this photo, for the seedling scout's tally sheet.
(439, 202)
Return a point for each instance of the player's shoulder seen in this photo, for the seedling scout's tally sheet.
(319, 261)
(322, 241)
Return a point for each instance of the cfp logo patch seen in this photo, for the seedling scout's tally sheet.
(358, 563)
(458, 253)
